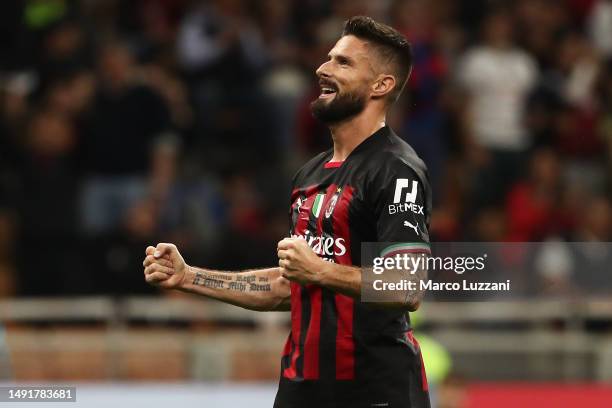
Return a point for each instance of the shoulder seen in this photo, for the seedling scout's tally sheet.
(396, 158)
(313, 165)
(397, 180)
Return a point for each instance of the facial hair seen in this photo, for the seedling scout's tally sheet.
(343, 106)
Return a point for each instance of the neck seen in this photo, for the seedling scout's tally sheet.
(347, 135)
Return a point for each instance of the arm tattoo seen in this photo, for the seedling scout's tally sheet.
(414, 296)
(208, 281)
(237, 283)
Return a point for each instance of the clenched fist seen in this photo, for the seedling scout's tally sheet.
(164, 266)
(298, 262)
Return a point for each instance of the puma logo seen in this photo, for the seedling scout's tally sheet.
(415, 226)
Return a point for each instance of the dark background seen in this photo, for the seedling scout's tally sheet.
(124, 124)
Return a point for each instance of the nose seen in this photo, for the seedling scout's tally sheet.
(323, 71)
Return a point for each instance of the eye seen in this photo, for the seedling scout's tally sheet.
(343, 61)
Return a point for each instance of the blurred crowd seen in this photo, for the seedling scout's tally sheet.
(126, 123)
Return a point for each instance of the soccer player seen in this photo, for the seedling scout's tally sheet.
(371, 187)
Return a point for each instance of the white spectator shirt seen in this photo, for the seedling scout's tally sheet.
(498, 82)
(599, 25)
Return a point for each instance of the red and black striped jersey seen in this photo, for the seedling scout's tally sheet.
(341, 352)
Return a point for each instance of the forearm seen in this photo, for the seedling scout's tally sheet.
(259, 289)
(347, 280)
(341, 279)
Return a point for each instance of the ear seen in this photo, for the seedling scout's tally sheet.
(384, 84)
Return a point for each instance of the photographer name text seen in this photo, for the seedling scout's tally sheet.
(464, 285)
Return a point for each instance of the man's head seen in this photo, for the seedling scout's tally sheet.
(370, 63)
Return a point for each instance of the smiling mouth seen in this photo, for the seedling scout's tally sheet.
(327, 91)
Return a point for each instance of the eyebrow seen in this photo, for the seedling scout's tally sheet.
(349, 60)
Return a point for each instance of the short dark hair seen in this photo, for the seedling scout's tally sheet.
(392, 46)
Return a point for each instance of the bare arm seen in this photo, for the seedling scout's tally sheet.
(299, 263)
(348, 281)
(259, 289)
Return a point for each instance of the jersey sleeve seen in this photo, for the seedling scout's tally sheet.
(400, 208)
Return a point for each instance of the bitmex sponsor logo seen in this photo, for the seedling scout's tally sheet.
(405, 207)
(324, 246)
(409, 198)
(400, 185)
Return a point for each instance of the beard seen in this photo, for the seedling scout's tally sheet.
(343, 106)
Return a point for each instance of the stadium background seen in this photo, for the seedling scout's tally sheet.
(125, 123)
